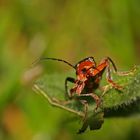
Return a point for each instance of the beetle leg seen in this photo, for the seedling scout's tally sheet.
(109, 79)
(104, 89)
(67, 94)
(125, 73)
(95, 97)
(84, 102)
(105, 64)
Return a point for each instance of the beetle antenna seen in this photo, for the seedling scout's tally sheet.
(114, 66)
(56, 59)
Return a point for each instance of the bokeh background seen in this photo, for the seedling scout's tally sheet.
(70, 30)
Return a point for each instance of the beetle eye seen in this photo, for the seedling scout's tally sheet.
(84, 70)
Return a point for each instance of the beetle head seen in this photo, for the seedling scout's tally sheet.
(84, 67)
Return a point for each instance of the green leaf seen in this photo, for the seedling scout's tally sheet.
(114, 102)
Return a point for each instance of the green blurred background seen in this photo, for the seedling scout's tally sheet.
(70, 30)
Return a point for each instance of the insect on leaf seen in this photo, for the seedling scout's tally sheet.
(114, 102)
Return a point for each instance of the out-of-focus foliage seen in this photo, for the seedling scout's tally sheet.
(65, 29)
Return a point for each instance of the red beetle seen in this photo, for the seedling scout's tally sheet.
(88, 77)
